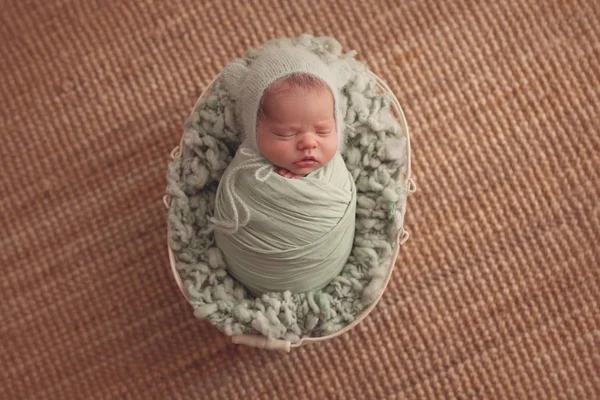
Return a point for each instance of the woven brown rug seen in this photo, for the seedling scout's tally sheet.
(496, 295)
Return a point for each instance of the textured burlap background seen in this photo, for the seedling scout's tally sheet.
(496, 294)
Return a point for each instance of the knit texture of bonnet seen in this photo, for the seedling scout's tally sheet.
(248, 83)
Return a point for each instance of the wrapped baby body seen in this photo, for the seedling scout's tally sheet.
(299, 232)
(285, 207)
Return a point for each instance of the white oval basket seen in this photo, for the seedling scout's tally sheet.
(401, 238)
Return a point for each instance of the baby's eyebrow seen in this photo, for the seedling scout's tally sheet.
(283, 125)
(324, 124)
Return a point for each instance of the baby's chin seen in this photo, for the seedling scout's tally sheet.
(304, 171)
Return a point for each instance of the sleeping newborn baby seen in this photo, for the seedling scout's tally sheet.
(296, 126)
(285, 206)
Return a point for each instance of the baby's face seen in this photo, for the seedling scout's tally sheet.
(297, 129)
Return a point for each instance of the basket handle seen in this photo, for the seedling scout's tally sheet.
(262, 342)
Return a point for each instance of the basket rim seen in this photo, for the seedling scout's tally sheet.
(401, 237)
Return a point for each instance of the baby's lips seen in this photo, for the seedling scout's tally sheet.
(308, 158)
(305, 163)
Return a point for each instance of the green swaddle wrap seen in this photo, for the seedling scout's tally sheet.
(284, 234)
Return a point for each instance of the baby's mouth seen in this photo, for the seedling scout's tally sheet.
(306, 161)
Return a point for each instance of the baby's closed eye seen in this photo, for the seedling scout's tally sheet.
(284, 134)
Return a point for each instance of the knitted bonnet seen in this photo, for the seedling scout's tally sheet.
(248, 83)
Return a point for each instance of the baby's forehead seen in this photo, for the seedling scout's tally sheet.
(294, 89)
(288, 100)
(275, 93)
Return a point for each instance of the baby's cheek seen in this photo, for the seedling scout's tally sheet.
(274, 151)
(265, 145)
(330, 145)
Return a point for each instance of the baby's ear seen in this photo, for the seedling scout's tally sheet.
(232, 76)
(342, 72)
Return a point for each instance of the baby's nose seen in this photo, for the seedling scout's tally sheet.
(307, 141)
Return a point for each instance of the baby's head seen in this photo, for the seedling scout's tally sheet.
(296, 127)
(288, 101)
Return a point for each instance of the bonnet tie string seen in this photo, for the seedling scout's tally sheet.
(237, 204)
